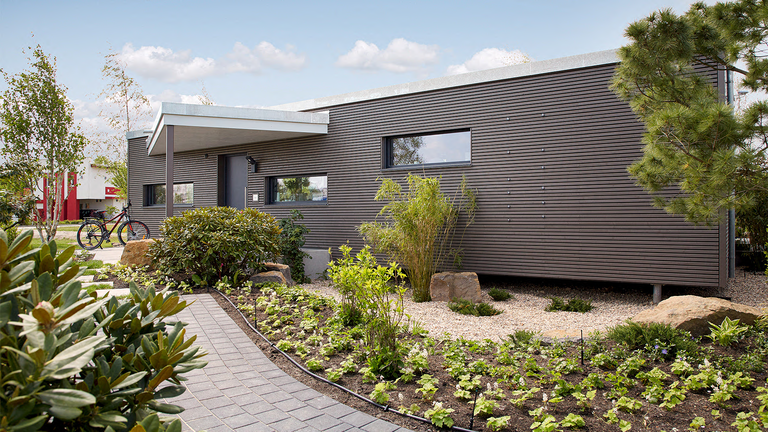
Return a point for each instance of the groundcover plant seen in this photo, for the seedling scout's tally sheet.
(631, 377)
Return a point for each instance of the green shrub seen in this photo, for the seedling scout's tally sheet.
(368, 296)
(419, 230)
(521, 338)
(291, 241)
(71, 361)
(215, 242)
(499, 295)
(484, 309)
(462, 306)
(653, 337)
(466, 307)
(573, 305)
(728, 332)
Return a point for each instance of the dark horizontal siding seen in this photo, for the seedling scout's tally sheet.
(588, 222)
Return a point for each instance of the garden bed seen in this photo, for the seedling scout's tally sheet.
(513, 370)
(307, 327)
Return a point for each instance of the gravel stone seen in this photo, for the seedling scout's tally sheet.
(613, 304)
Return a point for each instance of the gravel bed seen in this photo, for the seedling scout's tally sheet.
(613, 304)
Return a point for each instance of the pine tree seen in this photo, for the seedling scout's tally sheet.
(694, 142)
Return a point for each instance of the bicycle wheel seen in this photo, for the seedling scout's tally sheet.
(90, 235)
(132, 230)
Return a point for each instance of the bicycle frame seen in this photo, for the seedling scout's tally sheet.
(117, 220)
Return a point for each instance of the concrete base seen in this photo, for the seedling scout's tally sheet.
(316, 263)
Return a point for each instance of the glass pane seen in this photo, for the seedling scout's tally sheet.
(183, 193)
(158, 193)
(426, 149)
(293, 189)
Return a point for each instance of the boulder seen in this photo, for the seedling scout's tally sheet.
(693, 313)
(135, 253)
(269, 276)
(448, 285)
(282, 268)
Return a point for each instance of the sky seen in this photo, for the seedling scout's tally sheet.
(260, 54)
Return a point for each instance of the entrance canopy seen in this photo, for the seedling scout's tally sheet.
(198, 127)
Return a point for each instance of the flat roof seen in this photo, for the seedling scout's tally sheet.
(198, 127)
(489, 75)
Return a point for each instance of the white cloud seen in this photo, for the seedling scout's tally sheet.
(164, 64)
(489, 58)
(399, 56)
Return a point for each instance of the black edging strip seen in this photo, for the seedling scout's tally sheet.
(319, 378)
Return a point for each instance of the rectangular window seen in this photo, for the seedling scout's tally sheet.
(434, 148)
(183, 194)
(298, 189)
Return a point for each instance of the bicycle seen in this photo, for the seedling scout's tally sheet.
(93, 232)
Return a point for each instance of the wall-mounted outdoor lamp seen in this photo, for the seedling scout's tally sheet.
(253, 163)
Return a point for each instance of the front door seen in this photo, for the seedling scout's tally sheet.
(236, 181)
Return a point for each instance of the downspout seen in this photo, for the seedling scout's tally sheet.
(731, 212)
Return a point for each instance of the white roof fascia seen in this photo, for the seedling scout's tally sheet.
(489, 75)
(234, 118)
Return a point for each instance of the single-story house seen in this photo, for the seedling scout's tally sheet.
(546, 144)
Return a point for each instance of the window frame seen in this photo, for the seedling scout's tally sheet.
(271, 182)
(150, 196)
(387, 154)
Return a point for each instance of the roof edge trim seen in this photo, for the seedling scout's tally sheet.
(489, 75)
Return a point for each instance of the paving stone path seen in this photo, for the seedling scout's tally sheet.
(241, 389)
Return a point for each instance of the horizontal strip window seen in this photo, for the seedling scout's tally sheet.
(304, 189)
(454, 147)
(183, 194)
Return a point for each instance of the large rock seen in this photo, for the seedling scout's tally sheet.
(693, 313)
(282, 268)
(269, 276)
(448, 285)
(135, 253)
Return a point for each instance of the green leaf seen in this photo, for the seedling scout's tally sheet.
(170, 391)
(173, 426)
(161, 376)
(130, 380)
(107, 419)
(5, 313)
(29, 425)
(151, 423)
(165, 408)
(65, 412)
(45, 286)
(66, 398)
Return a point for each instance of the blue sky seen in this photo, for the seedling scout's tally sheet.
(268, 53)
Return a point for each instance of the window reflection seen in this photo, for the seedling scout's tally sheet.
(300, 189)
(428, 149)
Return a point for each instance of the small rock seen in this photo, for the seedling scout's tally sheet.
(693, 313)
(269, 276)
(135, 253)
(449, 285)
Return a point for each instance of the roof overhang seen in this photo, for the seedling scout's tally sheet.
(200, 127)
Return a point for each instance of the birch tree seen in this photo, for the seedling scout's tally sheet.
(40, 143)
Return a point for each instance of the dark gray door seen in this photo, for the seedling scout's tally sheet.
(236, 181)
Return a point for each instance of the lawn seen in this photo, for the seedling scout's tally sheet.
(61, 244)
